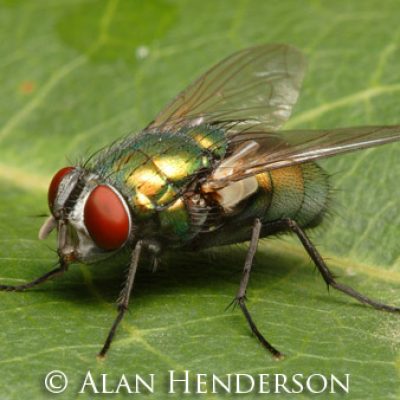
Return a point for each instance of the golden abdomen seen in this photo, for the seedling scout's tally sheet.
(299, 192)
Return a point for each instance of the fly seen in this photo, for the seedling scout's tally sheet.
(213, 168)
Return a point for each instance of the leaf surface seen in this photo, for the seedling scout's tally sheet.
(76, 75)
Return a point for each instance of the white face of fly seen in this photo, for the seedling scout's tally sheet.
(74, 241)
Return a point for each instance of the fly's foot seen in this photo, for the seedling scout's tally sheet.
(235, 302)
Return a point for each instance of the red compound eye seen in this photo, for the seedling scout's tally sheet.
(106, 218)
(55, 183)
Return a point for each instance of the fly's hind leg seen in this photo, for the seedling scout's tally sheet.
(291, 225)
(241, 294)
(123, 300)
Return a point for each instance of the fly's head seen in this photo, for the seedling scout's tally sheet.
(92, 218)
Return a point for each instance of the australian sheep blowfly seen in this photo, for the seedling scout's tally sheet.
(212, 169)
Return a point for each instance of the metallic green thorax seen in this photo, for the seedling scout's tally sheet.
(160, 175)
(153, 170)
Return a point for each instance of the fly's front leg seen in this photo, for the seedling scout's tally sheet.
(291, 225)
(123, 300)
(49, 275)
(241, 294)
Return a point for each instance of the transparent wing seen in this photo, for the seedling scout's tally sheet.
(256, 85)
(255, 152)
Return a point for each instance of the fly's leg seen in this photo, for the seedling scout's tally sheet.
(241, 294)
(123, 300)
(51, 274)
(289, 224)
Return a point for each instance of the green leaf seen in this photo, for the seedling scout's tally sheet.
(76, 75)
